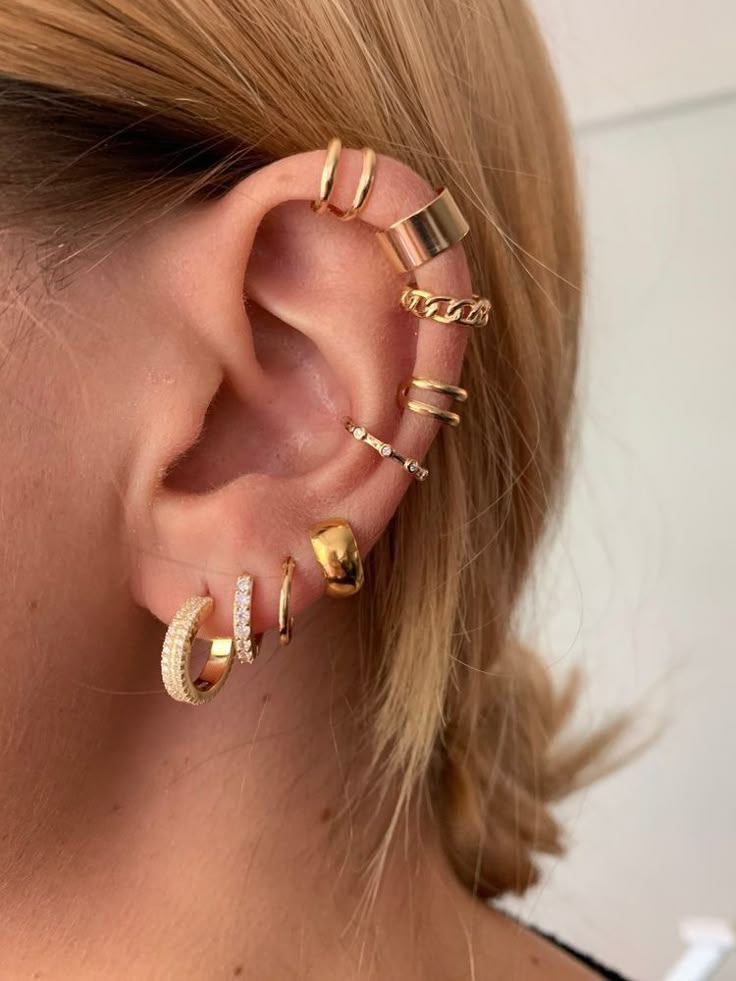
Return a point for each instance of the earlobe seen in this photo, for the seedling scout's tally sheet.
(322, 336)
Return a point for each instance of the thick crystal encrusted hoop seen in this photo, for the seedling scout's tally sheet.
(246, 643)
(177, 652)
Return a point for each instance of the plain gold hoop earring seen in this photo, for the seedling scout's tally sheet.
(286, 621)
(177, 652)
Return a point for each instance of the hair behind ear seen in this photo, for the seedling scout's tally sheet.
(458, 707)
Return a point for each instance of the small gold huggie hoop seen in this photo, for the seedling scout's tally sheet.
(247, 644)
(286, 621)
(327, 181)
(365, 185)
(177, 652)
(456, 393)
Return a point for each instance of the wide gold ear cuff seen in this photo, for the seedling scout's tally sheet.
(336, 550)
(327, 182)
(431, 230)
(177, 652)
(445, 416)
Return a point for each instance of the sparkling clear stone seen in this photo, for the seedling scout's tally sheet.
(413, 467)
(386, 450)
(359, 432)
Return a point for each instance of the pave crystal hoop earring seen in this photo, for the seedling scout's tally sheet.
(177, 652)
(456, 393)
(468, 312)
(286, 621)
(426, 233)
(247, 644)
(386, 450)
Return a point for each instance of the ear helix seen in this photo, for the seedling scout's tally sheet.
(409, 244)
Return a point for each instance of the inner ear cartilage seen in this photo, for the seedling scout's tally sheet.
(386, 450)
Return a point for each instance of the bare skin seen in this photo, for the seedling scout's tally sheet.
(142, 838)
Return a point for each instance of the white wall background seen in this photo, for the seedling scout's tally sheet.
(642, 585)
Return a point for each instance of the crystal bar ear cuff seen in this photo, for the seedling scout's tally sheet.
(385, 450)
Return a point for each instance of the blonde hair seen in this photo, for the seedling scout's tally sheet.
(115, 111)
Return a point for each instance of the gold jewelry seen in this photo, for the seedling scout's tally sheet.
(327, 182)
(386, 450)
(414, 240)
(286, 622)
(177, 652)
(247, 645)
(456, 393)
(365, 185)
(470, 312)
(337, 552)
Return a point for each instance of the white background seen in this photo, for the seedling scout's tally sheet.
(641, 586)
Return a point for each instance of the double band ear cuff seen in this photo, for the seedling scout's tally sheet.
(469, 312)
(177, 652)
(426, 233)
(386, 450)
(327, 182)
(445, 416)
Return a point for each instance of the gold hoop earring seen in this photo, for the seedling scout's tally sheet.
(286, 621)
(336, 550)
(456, 393)
(386, 450)
(365, 185)
(469, 312)
(177, 652)
(426, 233)
(327, 180)
(247, 644)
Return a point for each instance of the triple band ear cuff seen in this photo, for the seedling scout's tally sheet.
(386, 450)
(327, 182)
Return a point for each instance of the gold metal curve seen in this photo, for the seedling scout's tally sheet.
(177, 652)
(426, 233)
(286, 621)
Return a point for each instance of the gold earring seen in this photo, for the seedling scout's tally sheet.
(177, 652)
(247, 644)
(386, 450)
(286, 621)
(337, 552)
(327, 182)
(414, 240)
(469, 312)
(426, 408)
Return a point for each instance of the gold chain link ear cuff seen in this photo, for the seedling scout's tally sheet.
(456, 393)
(385, 450)
(286, 621)
(327, 182)
(336, 550)
(431, 230)
(468, 312)
(247, 644)
(177, 652)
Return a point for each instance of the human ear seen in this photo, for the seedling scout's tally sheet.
(277, 323)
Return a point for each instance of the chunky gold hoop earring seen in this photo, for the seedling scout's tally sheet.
(286, 621)
(385, 450)
(177, 652)
(469, 312)
(247, 644)
(456, 393)
(337, 552)
(365, 185)
(327, 181)
(414, 240)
